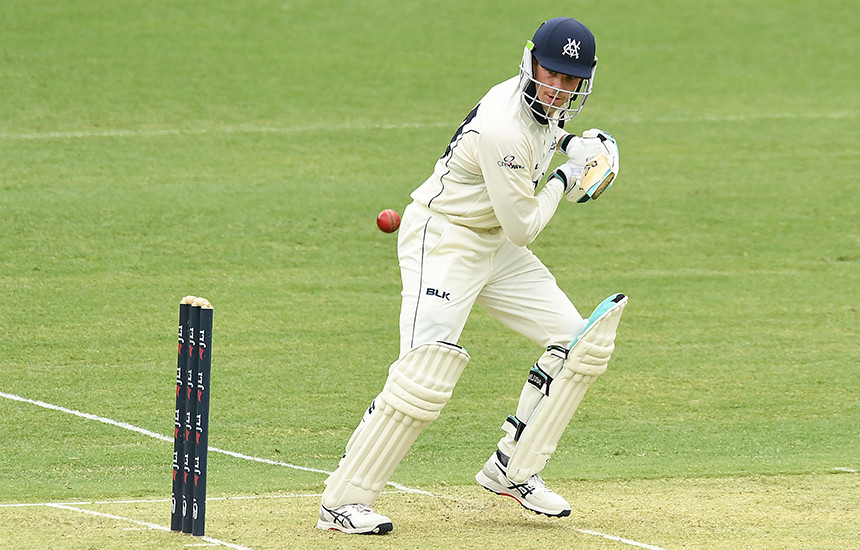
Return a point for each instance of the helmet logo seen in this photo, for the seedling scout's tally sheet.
(571, 49)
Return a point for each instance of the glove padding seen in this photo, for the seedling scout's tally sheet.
(593, 166)
(582, 148)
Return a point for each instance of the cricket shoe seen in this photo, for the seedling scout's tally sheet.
(533, 494)
(355, 519)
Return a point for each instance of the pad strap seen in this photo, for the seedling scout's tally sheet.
(538, 436)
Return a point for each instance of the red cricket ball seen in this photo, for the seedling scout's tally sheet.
(388, 221)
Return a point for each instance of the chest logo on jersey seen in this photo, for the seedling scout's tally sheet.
(510, 161)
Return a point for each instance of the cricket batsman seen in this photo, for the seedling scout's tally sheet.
(464, 240)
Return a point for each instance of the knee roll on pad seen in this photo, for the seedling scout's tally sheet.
(588, 358)
(418, 386)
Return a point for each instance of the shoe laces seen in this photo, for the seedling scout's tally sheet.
(360, 508)
(537, 481)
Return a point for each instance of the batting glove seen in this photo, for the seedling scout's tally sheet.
(595, 160)
(593, 141)
(568, 173)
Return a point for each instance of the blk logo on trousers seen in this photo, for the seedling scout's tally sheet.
(439, 294)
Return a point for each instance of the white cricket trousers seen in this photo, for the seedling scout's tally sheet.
(446, 268)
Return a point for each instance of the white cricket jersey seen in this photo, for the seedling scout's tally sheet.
(488, 175)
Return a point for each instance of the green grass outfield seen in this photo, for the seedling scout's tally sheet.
(241, 151)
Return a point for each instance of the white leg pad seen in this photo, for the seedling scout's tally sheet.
(587, 360)
(418, 386)
(548, 367)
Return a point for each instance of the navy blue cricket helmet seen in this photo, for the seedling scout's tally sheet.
(561, 45)
(566, 46)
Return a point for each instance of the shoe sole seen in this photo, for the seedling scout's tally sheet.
(380, 529)
(488, 484)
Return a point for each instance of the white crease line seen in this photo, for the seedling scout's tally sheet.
(155, 435)
(619, 539)
(288, 465)
(143, 132)
(236, 455)
(165, 500)
(88, 416)
(146, 524)
(149, 433)
(76, 505)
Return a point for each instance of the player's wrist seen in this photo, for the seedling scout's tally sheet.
(567, 174)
